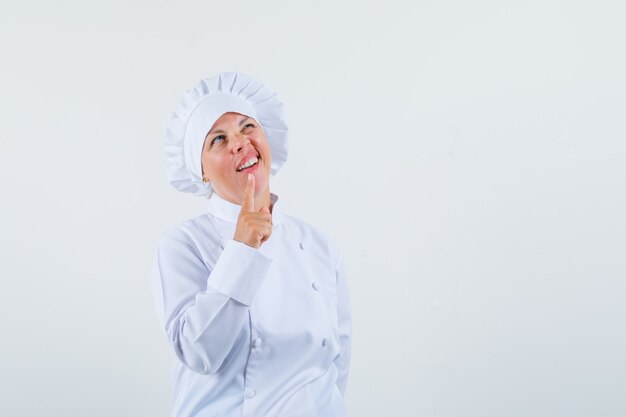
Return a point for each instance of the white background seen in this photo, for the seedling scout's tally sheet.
(469, 158)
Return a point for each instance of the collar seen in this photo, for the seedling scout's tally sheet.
(228, 211)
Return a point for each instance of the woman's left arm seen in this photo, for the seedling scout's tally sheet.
(344, 321)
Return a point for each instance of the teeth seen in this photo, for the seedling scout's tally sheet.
(250, 162)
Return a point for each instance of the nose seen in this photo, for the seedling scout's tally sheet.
(239, 142)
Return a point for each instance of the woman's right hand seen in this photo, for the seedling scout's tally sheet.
(253, 227)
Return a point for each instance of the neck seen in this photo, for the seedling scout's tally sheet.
(261, 200)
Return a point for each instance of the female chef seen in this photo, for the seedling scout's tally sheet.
(253, 302)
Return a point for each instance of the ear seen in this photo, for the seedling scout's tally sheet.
(205, 178)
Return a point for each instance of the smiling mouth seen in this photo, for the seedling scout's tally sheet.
(249, 166)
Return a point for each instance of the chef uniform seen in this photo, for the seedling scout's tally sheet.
(256, 332)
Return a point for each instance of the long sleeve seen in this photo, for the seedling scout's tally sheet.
(344, 319)
(202, 311)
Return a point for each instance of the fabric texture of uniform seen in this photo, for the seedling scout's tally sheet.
(256, 332)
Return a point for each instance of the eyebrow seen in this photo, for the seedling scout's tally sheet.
(221, 131)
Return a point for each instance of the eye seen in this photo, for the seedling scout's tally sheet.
(248, 126)
(215, 139)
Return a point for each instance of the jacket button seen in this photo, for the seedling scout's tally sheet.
(324, 342)
(315, 286)
(256, 343)
(301, 246)
(250, 393)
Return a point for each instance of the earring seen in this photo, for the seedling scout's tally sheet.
(205, 179)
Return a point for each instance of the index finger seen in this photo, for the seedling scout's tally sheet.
(247, 202)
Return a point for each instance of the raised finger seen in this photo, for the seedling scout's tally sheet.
(247, 201)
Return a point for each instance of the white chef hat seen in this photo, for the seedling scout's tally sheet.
(201, 106)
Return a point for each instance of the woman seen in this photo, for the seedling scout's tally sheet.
(254, 302)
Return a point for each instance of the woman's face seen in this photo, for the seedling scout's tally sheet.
(233, 141)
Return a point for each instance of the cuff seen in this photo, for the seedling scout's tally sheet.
(239, 271)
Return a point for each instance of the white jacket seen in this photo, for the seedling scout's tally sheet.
(256, 332)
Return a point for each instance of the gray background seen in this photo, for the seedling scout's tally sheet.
(469, 158)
